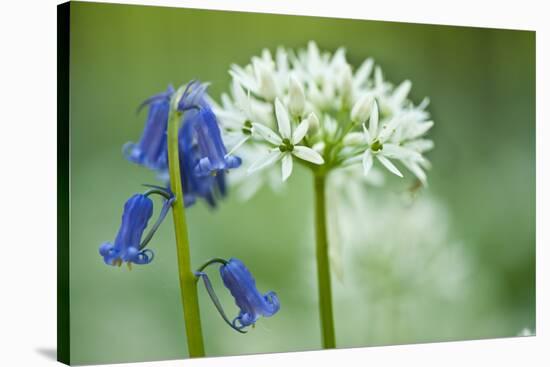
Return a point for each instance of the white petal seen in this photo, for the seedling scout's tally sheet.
(319, 147)
(286, 166)
(361, 109)
(307, 154)
(266, 160)
(373, 121)
(282, 119)
(425, 102)
(354, 138)
(389, 165)
(330, 125)
(313, 53)
(400, 93)
(353, 160)
(266, 133)
(424, 163)
(420, 129)
(389, 129)
(238, 145)
(346, 81)
(281, 58)
(240, 96)
(313, 123)
(267, 83)
(420, 145)
(296, 97)
(300, 131)
(366, 134)
(378, 77)
(367, 162)
(417, 171)
(396, 152)
(314, 94)
(242, 77)
(363, 72)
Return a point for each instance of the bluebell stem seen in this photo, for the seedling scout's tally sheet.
(252, 304)
(151, 151)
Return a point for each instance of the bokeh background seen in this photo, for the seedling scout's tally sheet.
(454, 262)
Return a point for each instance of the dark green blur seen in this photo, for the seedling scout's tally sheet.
(481, 83)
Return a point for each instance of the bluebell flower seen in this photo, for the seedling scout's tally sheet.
(203, 163)
(152, 149)
(203, 157)
(237, 278)
(127, 246)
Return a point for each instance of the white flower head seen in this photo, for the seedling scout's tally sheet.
(284, 143)
(314, 105)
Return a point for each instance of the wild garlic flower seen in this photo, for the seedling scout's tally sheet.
(285, 143)
(274, 98)
(377, 144)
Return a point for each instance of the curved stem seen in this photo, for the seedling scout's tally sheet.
(188, 285)
(216, 301)
(323, 268)
(215, 260)
(162, 215)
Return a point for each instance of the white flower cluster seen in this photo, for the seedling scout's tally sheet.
(314, 107)
(400, 262)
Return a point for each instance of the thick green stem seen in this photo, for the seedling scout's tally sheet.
(323, 269)
(188, 285)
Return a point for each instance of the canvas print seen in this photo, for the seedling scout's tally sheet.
(236, 183)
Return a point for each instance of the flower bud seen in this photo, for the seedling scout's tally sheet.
(313, 123)
(266, 81)
(297, 98)
(346, 83)
(362, 109)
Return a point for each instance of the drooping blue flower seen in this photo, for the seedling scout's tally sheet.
(203, 157)
(126, 248)
(203, 161)
(237, 278)
(152, 150)
(205, 132)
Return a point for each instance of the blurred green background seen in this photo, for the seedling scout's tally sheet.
(481, 83)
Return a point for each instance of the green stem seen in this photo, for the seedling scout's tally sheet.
(188, 286)
(323, 269)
